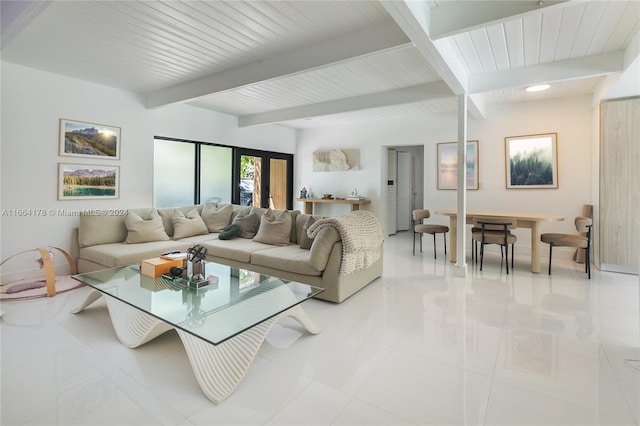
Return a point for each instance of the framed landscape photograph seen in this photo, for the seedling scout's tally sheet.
(531, 161)
(447, 166)
(80, 139)
(88, 181)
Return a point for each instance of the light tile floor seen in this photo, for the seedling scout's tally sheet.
(418, 346)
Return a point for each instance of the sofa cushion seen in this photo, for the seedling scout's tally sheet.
(275, 228)
(94, 230)
(321, 247)
(199, 239)
(118, 254)
(145, 228)
(216, 217)
(238, 249)
(305, 240)
(294, 231)
(290, 258)
(248, 223)
(167, 215)
(188, 225)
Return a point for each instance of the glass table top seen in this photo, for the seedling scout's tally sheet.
(234, 301)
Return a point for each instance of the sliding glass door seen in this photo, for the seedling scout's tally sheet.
(263, 179)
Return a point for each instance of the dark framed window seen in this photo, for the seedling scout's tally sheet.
(191, 172)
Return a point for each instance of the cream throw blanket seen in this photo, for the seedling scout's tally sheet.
(362, 238)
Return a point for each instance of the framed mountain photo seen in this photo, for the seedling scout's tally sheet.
(88, 181)
(82, 139)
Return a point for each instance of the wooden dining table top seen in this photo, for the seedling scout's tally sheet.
(516, 215)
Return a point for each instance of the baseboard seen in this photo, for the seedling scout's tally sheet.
(618, 268)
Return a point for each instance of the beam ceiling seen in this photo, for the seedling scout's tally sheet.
(436, 90)
(365, 42)
(463, 16)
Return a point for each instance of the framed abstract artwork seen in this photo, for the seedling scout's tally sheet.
(447, 166)
(336, 160)
(531, 161)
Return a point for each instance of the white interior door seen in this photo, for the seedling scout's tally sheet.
(392, 170)
(404, 191)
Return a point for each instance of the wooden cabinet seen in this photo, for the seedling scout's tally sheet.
(619, 218)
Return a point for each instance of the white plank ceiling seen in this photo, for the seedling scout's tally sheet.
(320, 63)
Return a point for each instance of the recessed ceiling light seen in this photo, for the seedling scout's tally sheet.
(537, 88)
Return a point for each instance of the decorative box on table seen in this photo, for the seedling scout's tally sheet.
(157, 266)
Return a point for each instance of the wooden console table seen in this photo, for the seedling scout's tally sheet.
(309, 202)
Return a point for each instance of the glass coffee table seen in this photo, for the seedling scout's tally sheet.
(222, 325)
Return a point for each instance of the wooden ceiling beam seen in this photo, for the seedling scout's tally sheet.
(436, 90)
(569, 69)
(357, 44)
(463, 16)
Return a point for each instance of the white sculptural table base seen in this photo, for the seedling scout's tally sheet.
(218, 368)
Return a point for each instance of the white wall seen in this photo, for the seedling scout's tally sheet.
(32, 104)
(570, 118)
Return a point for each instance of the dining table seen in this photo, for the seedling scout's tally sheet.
(524, 220)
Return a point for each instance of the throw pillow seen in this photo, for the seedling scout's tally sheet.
(306, 241)
(275, 228)
(142, 230)
(187, 225)
(229, 232)
(248, 224)
(216, 217)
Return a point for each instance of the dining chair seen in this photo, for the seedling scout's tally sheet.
(495, 230)
(583, 224)
(419, 227)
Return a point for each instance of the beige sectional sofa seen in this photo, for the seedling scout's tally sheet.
(110, 241)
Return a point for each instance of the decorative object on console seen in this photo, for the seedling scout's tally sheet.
(354, 196)
(81, 139)
(88, 181)
(531, 161)
(303, 193)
